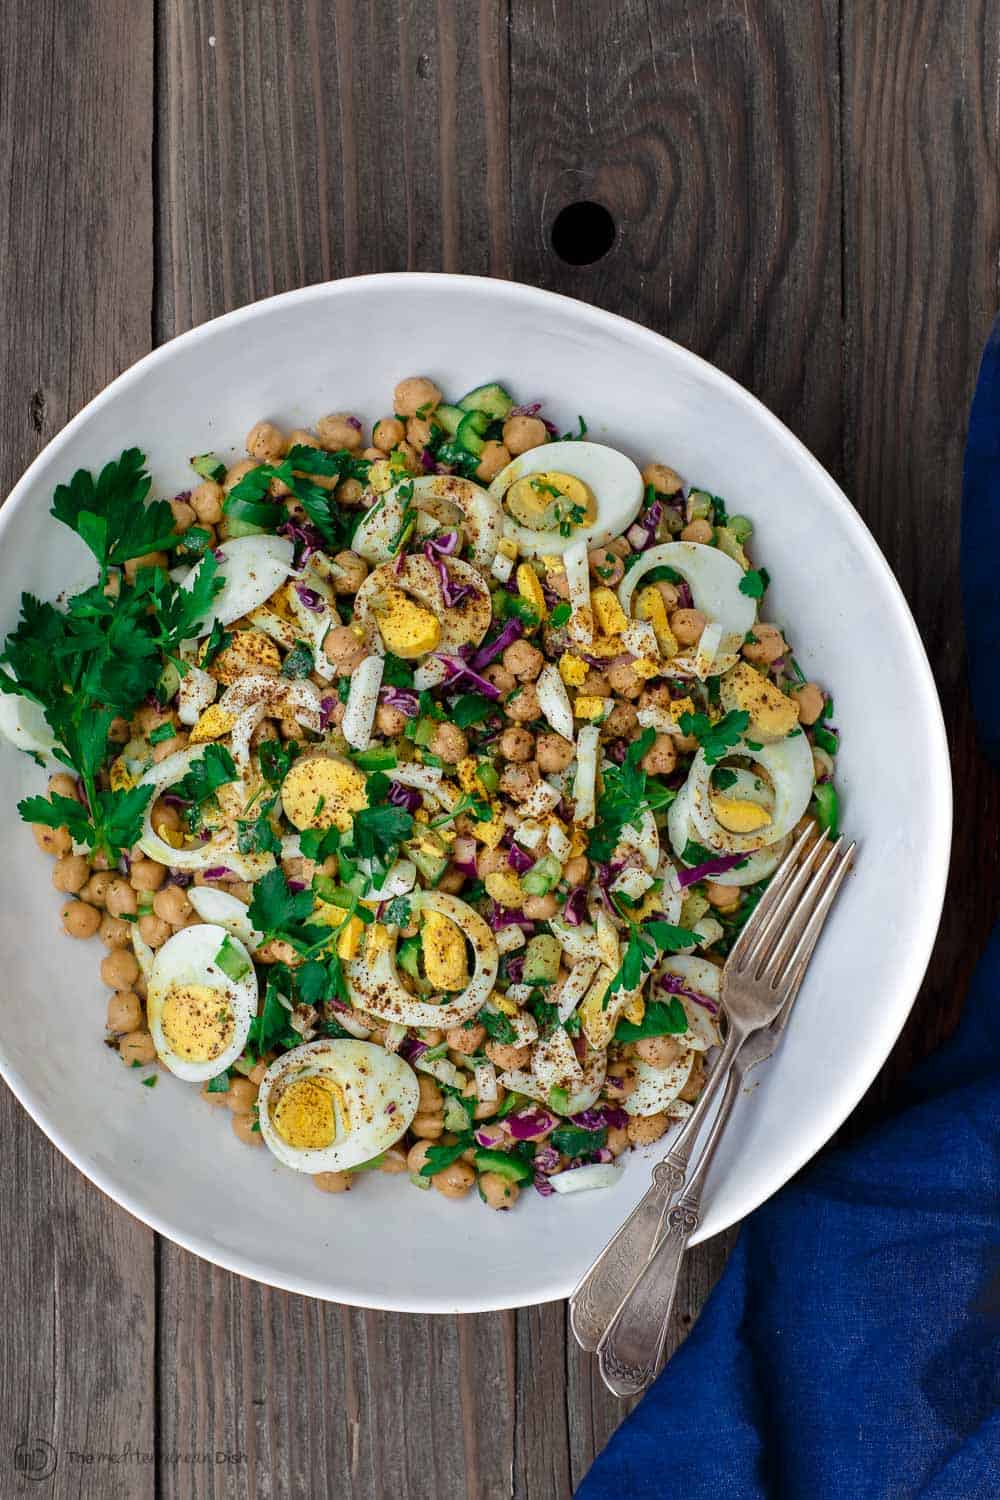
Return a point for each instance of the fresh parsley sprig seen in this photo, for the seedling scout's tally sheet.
(628, 792)
(717, 739)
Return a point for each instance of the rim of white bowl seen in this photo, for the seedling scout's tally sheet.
(834, 1106)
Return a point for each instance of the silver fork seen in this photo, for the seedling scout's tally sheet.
(601, 1291)
(761, 979)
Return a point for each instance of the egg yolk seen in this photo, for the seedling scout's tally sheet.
(305, 1115)
(551, 501)
(197, 1022)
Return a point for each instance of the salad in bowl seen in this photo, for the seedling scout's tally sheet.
(416, 785)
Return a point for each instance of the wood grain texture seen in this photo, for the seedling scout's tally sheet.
(76, 123)
(806, 195)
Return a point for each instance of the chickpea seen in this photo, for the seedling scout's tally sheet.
(696, 1080)
(266, 443)
(553, 752)
(452, 881)
(501, 679)
(576, 869)
(467, 1038)
(524, 705)
(389, 721)
(489, 860)
(687, 625)
(767, 646)
(409, 456)
(620, 546)
(522, 433)
(124, 1011)
(415, 396)
(643, 1130)
(349, 492)
(558, 582)
(150, 717)
(669, 595)
(184, 516)
(664, 481)
(343, 650)
(658, 1051)
(620, 721)
(374, 455)
(54, 841)
(351, 574)
(519, 781)
(450, 743)
(153, 930)
(507, 1057)
(617, 1139)
(70, 874)
(516, 744)
(494, 457)
(387, 433)
(206, 502)
(120, 969)
(243, 1127)
(605, 567)
(241, 1096)
(811, 700)
(427, 1127)
(431, 1098)
(119, 732)
(620, 1080)
(135, 565)
(115, 932)
(497, 1191)
(540, 908)
(698, 530)
(146, 875)
(63, 785)
(301, 437)
(524, 660)
(623, 678)
(333, 1182)
(456, 1180)
(339, 430)
(165, 816)
(119, 897)
(172, 905)
(418, 432)
(393, 1160)
(80, 920)
(722, 897)
(213, 1097)
(137, 1047)
(661, 757)
(595, 685)
(416, 1157)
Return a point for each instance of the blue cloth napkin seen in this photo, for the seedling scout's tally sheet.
(851, 1350)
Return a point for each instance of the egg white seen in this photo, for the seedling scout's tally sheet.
(189, 957)
(714, 580)
(612, 477)
(380, 1093)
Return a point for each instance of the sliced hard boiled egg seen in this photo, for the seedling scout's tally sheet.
(201, 998)
(323, 791)
(225, 911)
(409, 610)
(757, 863)
(657, 1088)
(251, 568)
(714, 580)
(440, 500)
(564, 492)
(331, 1105)
(789, 767)
(701, 978)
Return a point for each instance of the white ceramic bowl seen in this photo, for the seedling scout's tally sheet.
(175, 1163)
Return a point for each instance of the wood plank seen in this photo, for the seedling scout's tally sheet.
(271, 177)
(921, 98)
(77, 1357)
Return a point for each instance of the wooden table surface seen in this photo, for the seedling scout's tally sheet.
(805, 193)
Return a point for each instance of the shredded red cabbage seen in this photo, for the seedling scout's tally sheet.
(326, 707)
(515, 967)
(575, 909)
(512, 631)
(179, 877)
(296, 885)
(452, 593)
(529, 409)
(519, 859)
(523, 1127)
(303, 535)
(461, 672)
(599, 1116)
(543, 1186)
(409, 1047)
(546, 1160)
(508, 916)
(403, 796)
(488, 1137)
(309, 599)
(124, 863)
(219, 872)
(708, 869)
(672, 984)
(445, 545)
(401, 698)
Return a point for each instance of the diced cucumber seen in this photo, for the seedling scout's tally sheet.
(728, 542)
(408, 957)
(741, 528)
(541, 959)
(424, 732)
(456, 1116)
(431, 866)
(487, 773)
(492, 399)
(235, 528)
(470, 431)
(448, 418)
(543, 875)
(699, 506)
(514, 1168)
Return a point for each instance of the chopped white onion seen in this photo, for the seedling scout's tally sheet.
(251, 568)
(554, 1063)
(226, 911)
(510, 938)
(577, 565)
(362, 701)
(553, 700)
(559, 844)
(598, 1174)
(486, 1082)
(540, 800)
(574, 987)
(529, 834)
(24, 725)
(196, 692)
(585, 781)
(633, 883)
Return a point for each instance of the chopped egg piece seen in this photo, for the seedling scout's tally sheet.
(323, 791)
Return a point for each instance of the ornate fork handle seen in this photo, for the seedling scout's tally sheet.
(631, 1349)
(602, 1290)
